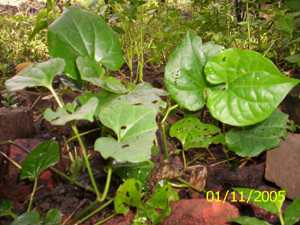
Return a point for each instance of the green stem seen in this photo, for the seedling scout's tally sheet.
(82, 134)
(105, 219)
(107, 184)
(87, 162)
(164, 141)
(281, 218)
(94, 212)
(84, 151)
(32, 194)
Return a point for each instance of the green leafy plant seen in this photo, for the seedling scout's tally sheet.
(289, 217)
(155, 209)
(39, 159)
(6, 209)
(239, 88)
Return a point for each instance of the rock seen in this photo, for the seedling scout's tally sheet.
(201, 212)
(121, 220)
(16, 123)
(283, 165)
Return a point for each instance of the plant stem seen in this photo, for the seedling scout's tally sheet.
(32, 194)
(94, 212)
(105, 219)
(84, 151)
(281, 217)
(248, 24)
(87, 162)
(107, 184)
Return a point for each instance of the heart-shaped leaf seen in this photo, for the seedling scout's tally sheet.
(28, 218)
(245, 220)
(250, 87)
(84, 112)
(92, 72)
(192, 133)
(128, 194)
(39, 159)
(271, 206)
(80, 33)
(292, 213)
(40, 74)
(265, 135)
(184, 77)
(135, 149)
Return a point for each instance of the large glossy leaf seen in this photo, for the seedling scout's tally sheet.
(92, 72)
(40, 74)
(79, 33)
(39, 159)
(245, 220)
(254, 197)
(184, 77)
(128, 194)
(28, 218)
(265, 135)
(250, 87)
(84, 112)
(192, 133)
(135, 149)
(292, 213)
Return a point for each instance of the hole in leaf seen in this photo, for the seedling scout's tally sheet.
(155, 101)
(123, 127)
(125, 146)
(138, 103)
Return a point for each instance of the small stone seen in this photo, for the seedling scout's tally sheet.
(283, 165)
(201, 212)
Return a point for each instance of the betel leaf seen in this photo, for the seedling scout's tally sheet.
(53, 217)
(128, 194)
(139, 171)
(292, 213)
(265, 135)
(40, 74)
(79, 33)
(192, 133)
(250, 87)
(255, 197)
(158, 206)
(135, 149)
(184, 77)
(84, 112)
(39, 159)
(92, 72)
(28, 218)
(245, 220)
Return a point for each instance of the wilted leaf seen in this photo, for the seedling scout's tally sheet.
(184, 77)
(250, 87)
(265, 135)
(39, 159)
(80, 33)
(84, 112)
(192, 133)
(40, 74)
